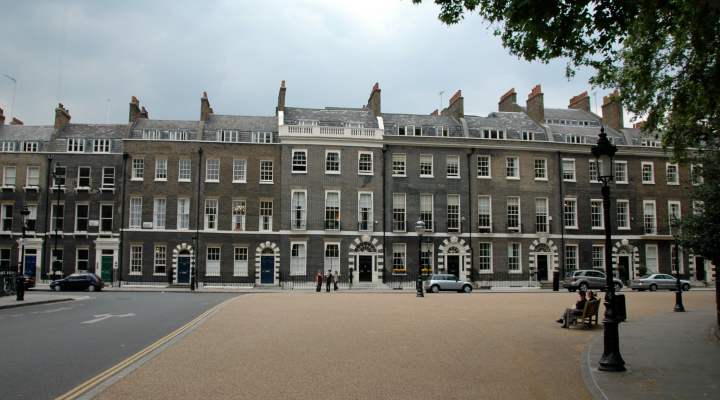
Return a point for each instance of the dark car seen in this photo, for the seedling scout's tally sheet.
(78, 281)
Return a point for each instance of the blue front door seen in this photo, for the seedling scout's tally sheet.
(30, 262)
(183, 270)
(267, 269)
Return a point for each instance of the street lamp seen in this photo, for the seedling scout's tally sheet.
(20, 279)
(56, 265)
(679, 307)
(611, 359)
(420, 230)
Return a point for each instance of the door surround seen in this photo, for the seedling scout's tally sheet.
(366, 246)
(547, 247)
(275, 250)
(455, 246)
(623, 247)
(176, 254)
(106, 244)
(34, 244)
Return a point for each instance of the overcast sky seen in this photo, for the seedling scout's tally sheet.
(93, 55)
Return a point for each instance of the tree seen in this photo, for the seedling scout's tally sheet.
(663, 56)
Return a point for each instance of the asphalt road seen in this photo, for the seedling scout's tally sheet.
(46, 350)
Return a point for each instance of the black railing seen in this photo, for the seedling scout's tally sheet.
(7, 283)
(300, 282)
(505, 279)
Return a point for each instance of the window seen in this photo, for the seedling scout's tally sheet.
(240, 261)
(7, 217)
(441, 131)
(9, 176)
(135, 260)
(426, 211)
(7, 147)
(262, 137)
(5, 256)
(83, 181)
(650, 222)
(212, 267)
(398, 165)
(239, 171)
(82, 215)
(58, 217)
(33, 176)
(483, 167)
(184, 168)
(108, 177)
(512, 168)
(332, 162)
(212, 170)
(399, 216)
(183, 213)
(674, 214)
(453, 167)
(541, 169)
(365, 163)
(365, 211)
(298, 207)
(75, 145)
(671, 172)
(156, 134)
(648, 172)
(211, 211)
(298, 258)
(541, 215)
(82, 261)
(225, 135)
(623, 214)
(332, 210)
(598, 257)
(528, 135)
(426, 165)
(266, 171)
(621, 175)
(696, 174)
(674, 257)
(31, 219)
(135, 212)
(161, 169)
(570, 213)
(571, 257)
(493, 134)
(484, 212)
(59, 176)
(698, 207)
(651, 258)
(513, 213)
(160, 260)
(453, 213)
(399, 258)
(409, 130)
(101, 146)
(514, 257)
(596, 214)
(266, 214)
(299, 161)
(568, 169)
(106, 217)
(485, 257)
(30, 147)
(239, 210)
(138, 169)
(332, 256)
(426, 257)
(594, 168)
(159, 207)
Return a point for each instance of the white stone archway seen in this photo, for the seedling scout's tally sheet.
(708, 266)
(624, 248)
(367, 246)
(267, 247)
(176, 253)
(456, 247)
(544, 246)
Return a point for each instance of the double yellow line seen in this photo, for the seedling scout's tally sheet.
(103, 376)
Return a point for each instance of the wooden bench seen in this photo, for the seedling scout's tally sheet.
(590, 311)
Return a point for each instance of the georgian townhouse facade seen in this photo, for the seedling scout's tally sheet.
(255, 200)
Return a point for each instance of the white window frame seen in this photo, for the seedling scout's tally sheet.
(301, 223)
(515, 167)
(395, 221)
(654, 268)
(574, 257)
(159, 259)
(451, 159)
(184, 162)
(35, 179)
(398, 158)
(240, 261)
(326, 209)
(104, 183)
(159, 212)
(213, 266)
(329, 261)
(4, 215)
(137, 166)
(88, 177)
(489, 257)
(426, 157)
(339, 162)
(489, 166)
(298, 263)
(651, 164)
(431, 226)
(624, 169)
(269, 218)
(399, 259)
(593, 226)
(601, 259)
(489, 214)
(209, 217)
(544, 169)
(574, 201)
(161, 172)
(77, 216)
(30, 147)
(7, 182)
(677, 173)
(370, 222)
(563, 170)
(239, 170)
(102, 219)
(360, 162)
(654, 217)
(511, 248)
(136, 255)
(517, 228)
(672, 203)
(53, 219)
(75, 145)
(302, 165)
(458, 218)
(239, 215)
(264, 171)
(212, 175)
(101, 145)
(545, 215)
(135, 212)
(626, 221)
(33, 209)
(78, 259)
(180, 214)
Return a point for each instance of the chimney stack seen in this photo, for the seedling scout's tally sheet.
(374, 100)
(580, 102)
(535, 105)
(16, 121)
(62, 117)
(135, 111)
(205, 109)
(143, 112)
(612, 112)
(435, 113)
(508, 102)
(281, 97)
(2, 117)
(456, 106)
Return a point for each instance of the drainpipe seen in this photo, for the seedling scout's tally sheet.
(48, 193)
(122, 218)
(384, 200)
(469, 213)
(193, 272)
(561, 216)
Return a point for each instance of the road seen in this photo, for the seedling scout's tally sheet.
(48, 349)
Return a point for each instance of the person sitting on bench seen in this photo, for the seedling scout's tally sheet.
(569, 312)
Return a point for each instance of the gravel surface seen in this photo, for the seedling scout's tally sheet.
(383, 346)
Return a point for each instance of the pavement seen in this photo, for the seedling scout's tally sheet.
(34, 298)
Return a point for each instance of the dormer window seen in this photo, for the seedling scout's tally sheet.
(30, 147)
(528, 135)
(101, 146)
(356, 125)
(409, 130)
(75, 145)
(6, 147)
(308, 122)
(441, 131)
(157, 134)
(262, 137)
(574, 139)
(493, 134)
(225, 135)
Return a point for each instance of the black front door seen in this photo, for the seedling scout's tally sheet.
(453, 265)
(365, 268)
(700, 268)
(542, 267)
(183, 270)
(624, 268)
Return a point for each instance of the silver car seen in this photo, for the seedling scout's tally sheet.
(438, 282)
(585, 279)
(654, 282)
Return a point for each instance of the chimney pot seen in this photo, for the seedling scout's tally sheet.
(535, 105)
(16, 121)
(456, 106)
(612, 111)
(135, 111)
(281, 97)
(62, 117)
(435, 113)
(374, 101)
(205, 109)
(508, 102)
(580, 102)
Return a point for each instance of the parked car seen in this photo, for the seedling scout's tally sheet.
(585, 279)
(653, 282)
(438, 282)
(78, 281)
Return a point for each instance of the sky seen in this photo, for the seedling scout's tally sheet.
(92, 56)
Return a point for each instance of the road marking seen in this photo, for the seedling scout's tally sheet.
(52, 310)
(103, 317)
(97, 380)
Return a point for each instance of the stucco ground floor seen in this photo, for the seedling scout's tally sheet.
(268, 259)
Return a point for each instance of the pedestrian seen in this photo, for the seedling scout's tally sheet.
(335, 279)
(318, 280)
(350, 279)
(328, 280)
(570, 312)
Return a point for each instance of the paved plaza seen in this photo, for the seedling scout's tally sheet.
(386, 346)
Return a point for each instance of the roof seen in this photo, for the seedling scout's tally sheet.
(144, 123)
(99, 131)
(26, 132)
(332, 116)
(420, 120)
(571, 114)
(242, 123)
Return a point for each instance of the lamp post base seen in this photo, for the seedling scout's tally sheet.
(419, 288)
(611, 360)
(679, 307)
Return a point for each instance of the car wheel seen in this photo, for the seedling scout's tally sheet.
(653, 287)
(583, 287)
(467, 289)
(618, 287)
(435, 288)
(685, 287)
(57, 288)
(91, 288)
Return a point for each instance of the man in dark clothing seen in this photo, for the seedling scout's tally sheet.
(318, 280)
(328, 281)
(569, 312)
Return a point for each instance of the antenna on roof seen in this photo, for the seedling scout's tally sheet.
(441, 103)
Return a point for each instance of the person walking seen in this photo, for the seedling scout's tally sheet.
(350, 279)
(318, 280)
(328, 280)
(335, 279)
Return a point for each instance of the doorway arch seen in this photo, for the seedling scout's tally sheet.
(183, 256)
(367, 254)
(543, 259)
(455, 253)
(625, 259)
(269, 253)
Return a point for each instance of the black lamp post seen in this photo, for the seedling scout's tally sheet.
(679, 307)
(611, 359)
(20, 279)
(420, 230)
(56, 265)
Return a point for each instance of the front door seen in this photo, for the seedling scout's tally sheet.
(30, 262)
(365, 268)
(700, 269)
(624, 268)
(106, 264)
(183, 270)
(542, 267)
(267, 269)
(453, 265)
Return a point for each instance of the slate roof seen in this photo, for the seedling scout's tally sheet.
(26, 132)
(95, 131)
(331, 116)
(242, 123)
(512, 122)
(144, 123)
